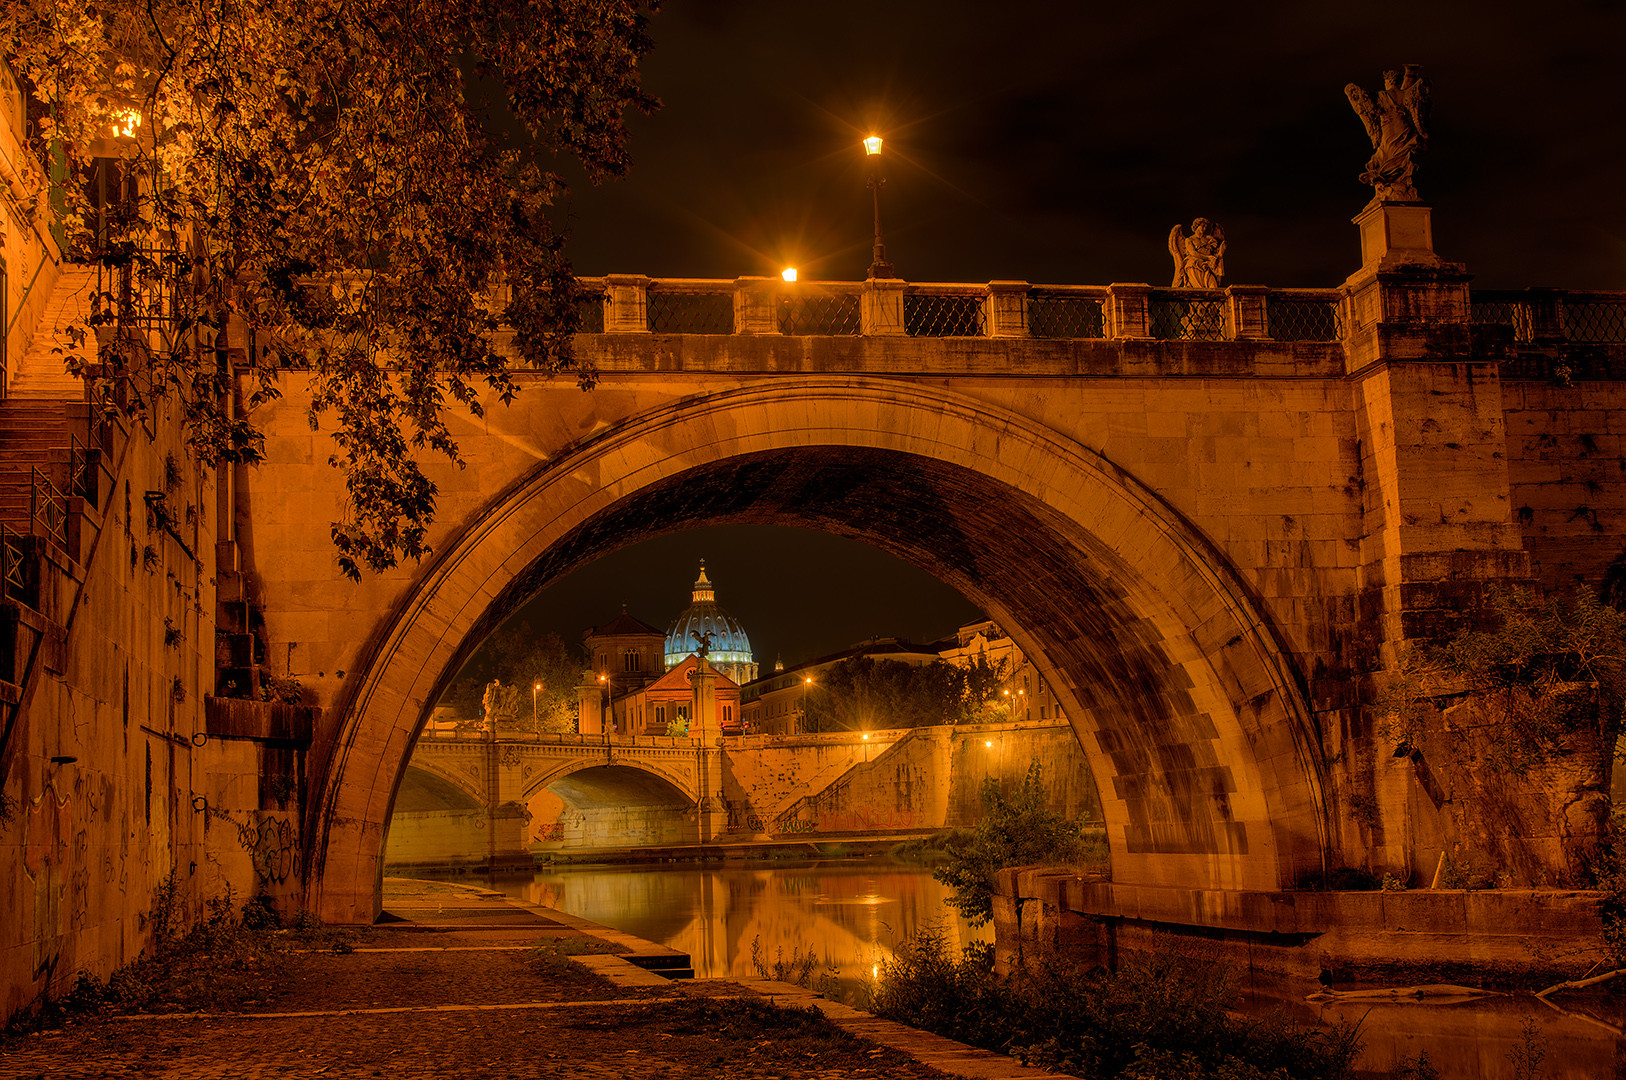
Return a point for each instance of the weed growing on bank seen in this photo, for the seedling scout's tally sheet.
(1165, 1016)
(226, 958)
(798, 969)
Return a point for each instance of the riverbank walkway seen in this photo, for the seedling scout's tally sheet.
(459, 981)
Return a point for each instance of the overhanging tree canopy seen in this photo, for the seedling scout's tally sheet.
(359, 188)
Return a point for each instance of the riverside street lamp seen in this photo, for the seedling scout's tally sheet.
(534, 688)
(878, 267)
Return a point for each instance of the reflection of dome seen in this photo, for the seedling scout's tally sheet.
(730, 648)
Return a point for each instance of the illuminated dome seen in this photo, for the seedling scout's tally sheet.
(730, 648)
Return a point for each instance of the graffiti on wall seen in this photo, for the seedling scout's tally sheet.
(272, 844)
(47, 834)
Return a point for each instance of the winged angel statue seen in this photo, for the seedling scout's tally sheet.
(1396, 121)
(1199, 259)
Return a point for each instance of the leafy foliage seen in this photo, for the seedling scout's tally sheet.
(1155, 1017)
(1016, 829)
(862, 693)
(1556, 665)
(358, 189)
(522, 662)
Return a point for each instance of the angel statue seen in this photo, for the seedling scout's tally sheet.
(703, 643)
(1199, 259)
(1396, 121)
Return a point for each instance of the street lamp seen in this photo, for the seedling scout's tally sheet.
(534, 688)
(878, 267)
(806, 682)
(605, 717)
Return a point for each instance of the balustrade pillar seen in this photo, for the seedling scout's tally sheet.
(626, 304)
(881, 307)
(1127, 309)
(1005, 309)
(1247, 319)
(756, 305)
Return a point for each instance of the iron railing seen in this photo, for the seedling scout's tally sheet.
(943, 311)
(84, 471)
(1065, 313)
(706, 308)
(1186, 315)
(13, 565)
(832, 310)
(1304, 315)
(47, 509)
(1591, 318)
(590, 308)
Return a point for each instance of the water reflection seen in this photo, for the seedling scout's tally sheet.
(850, 914)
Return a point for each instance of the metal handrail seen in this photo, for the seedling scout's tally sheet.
(13, 565)
(47, 509)
(83, 465)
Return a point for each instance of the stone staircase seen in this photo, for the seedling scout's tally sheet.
(49, 473)
(43, 414)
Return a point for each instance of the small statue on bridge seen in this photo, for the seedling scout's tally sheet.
(500, 704)
(703, 648)
(1199, 259)
(1396, 120)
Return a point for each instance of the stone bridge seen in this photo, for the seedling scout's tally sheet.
(1205, 516)
(1208, 518)
(473, 798)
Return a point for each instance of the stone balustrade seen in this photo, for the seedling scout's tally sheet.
(635, 304)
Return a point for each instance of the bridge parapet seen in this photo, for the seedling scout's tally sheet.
(632, 303)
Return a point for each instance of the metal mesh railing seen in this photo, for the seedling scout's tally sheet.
(13, 565)
(1492, 309)
(1595, 321)
(1303, 317)
(1170, 317)
(690, 312)
(817, 312)
(1065, 315)
(590, 309)
(48, 509)
(934, 314)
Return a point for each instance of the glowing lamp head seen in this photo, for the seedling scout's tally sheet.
(125, 123)
(536, 686)
(988, 743)
(872, 145)
(807, 681)
(789, 273)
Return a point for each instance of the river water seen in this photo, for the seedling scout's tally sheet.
(852, 913)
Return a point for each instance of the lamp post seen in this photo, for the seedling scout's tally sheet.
(534, 688)
(806, 682)
(605, 716)
(878, 267)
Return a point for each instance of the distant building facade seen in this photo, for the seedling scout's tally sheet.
(1024, 693)
(777, 704)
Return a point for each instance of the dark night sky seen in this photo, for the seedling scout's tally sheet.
(1057, 143)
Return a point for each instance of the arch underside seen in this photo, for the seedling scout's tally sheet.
(1181, 698)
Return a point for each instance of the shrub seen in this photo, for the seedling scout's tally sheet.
(1015, 830)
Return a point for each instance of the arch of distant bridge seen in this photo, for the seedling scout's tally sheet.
(1182, 697)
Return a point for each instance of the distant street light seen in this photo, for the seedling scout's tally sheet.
(605, 716)
(534, 688)
(789, 273)
(807, 682)
(878, 267)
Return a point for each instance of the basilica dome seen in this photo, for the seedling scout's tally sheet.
(730, 648)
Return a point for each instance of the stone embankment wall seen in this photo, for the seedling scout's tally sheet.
(925, 778)
(112, 782)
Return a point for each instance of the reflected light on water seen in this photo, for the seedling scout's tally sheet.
(851, 915)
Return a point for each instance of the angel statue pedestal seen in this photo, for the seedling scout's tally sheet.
(1396, 234)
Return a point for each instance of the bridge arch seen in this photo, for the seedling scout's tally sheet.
(679, 782)
(1182, 697)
